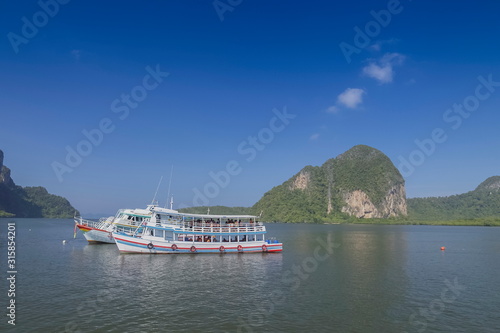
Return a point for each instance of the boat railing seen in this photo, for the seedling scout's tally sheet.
(239, 230)
(100, 224)
(189, 224)
(107, 219)
(129, 230)
(128, 222)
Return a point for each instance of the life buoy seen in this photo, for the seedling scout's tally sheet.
(150, 246)
(192, 249)
(174, 247)
(264, 248)
(222, 249)
(240, 248)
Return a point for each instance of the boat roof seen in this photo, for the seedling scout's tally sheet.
(156, 209)
(136, 212)
(219, 216)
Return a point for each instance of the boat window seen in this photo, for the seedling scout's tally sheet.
(158, 233)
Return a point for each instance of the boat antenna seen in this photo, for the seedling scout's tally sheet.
(169, 183)
(172, 202)
(208, 211)
(154, 198)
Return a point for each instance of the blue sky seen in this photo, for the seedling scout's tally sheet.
(239, 70)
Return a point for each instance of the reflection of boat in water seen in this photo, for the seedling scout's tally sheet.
(127, 221)
(169, 231)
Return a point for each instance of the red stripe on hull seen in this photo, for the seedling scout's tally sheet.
(85, 228)
(258, 248)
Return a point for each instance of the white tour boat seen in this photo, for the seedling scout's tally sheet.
(127, 221)
(169, 231)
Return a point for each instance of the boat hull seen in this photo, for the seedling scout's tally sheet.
(128, 244)
(94, 235)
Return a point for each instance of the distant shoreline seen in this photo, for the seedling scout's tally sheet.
(486, 222)
(450, 223)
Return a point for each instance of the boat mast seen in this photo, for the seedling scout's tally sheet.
(157, 188)
(170, 183)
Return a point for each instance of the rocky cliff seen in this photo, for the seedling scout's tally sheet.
(5, 173)
(490, 184)
(29, 201)
(361, 183)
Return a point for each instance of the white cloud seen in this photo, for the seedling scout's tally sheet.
(315, 136)
(351, 97)
(382, 74)
(382, 70)
(377, 45)
(392, 58)
(332, 109)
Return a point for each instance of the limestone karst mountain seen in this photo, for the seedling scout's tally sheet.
(29, 201)
(362, 182)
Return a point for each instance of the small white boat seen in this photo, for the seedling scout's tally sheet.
(169, 231)
(126, 221)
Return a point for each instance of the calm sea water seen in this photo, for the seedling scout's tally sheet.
(330, 278)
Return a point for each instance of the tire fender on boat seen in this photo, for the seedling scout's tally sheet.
(174, 247)
(193, 249)
(151, 246)
(264, 248)
(240, 248)
(222, 249)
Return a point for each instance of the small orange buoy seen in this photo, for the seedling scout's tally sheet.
(443, 248)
